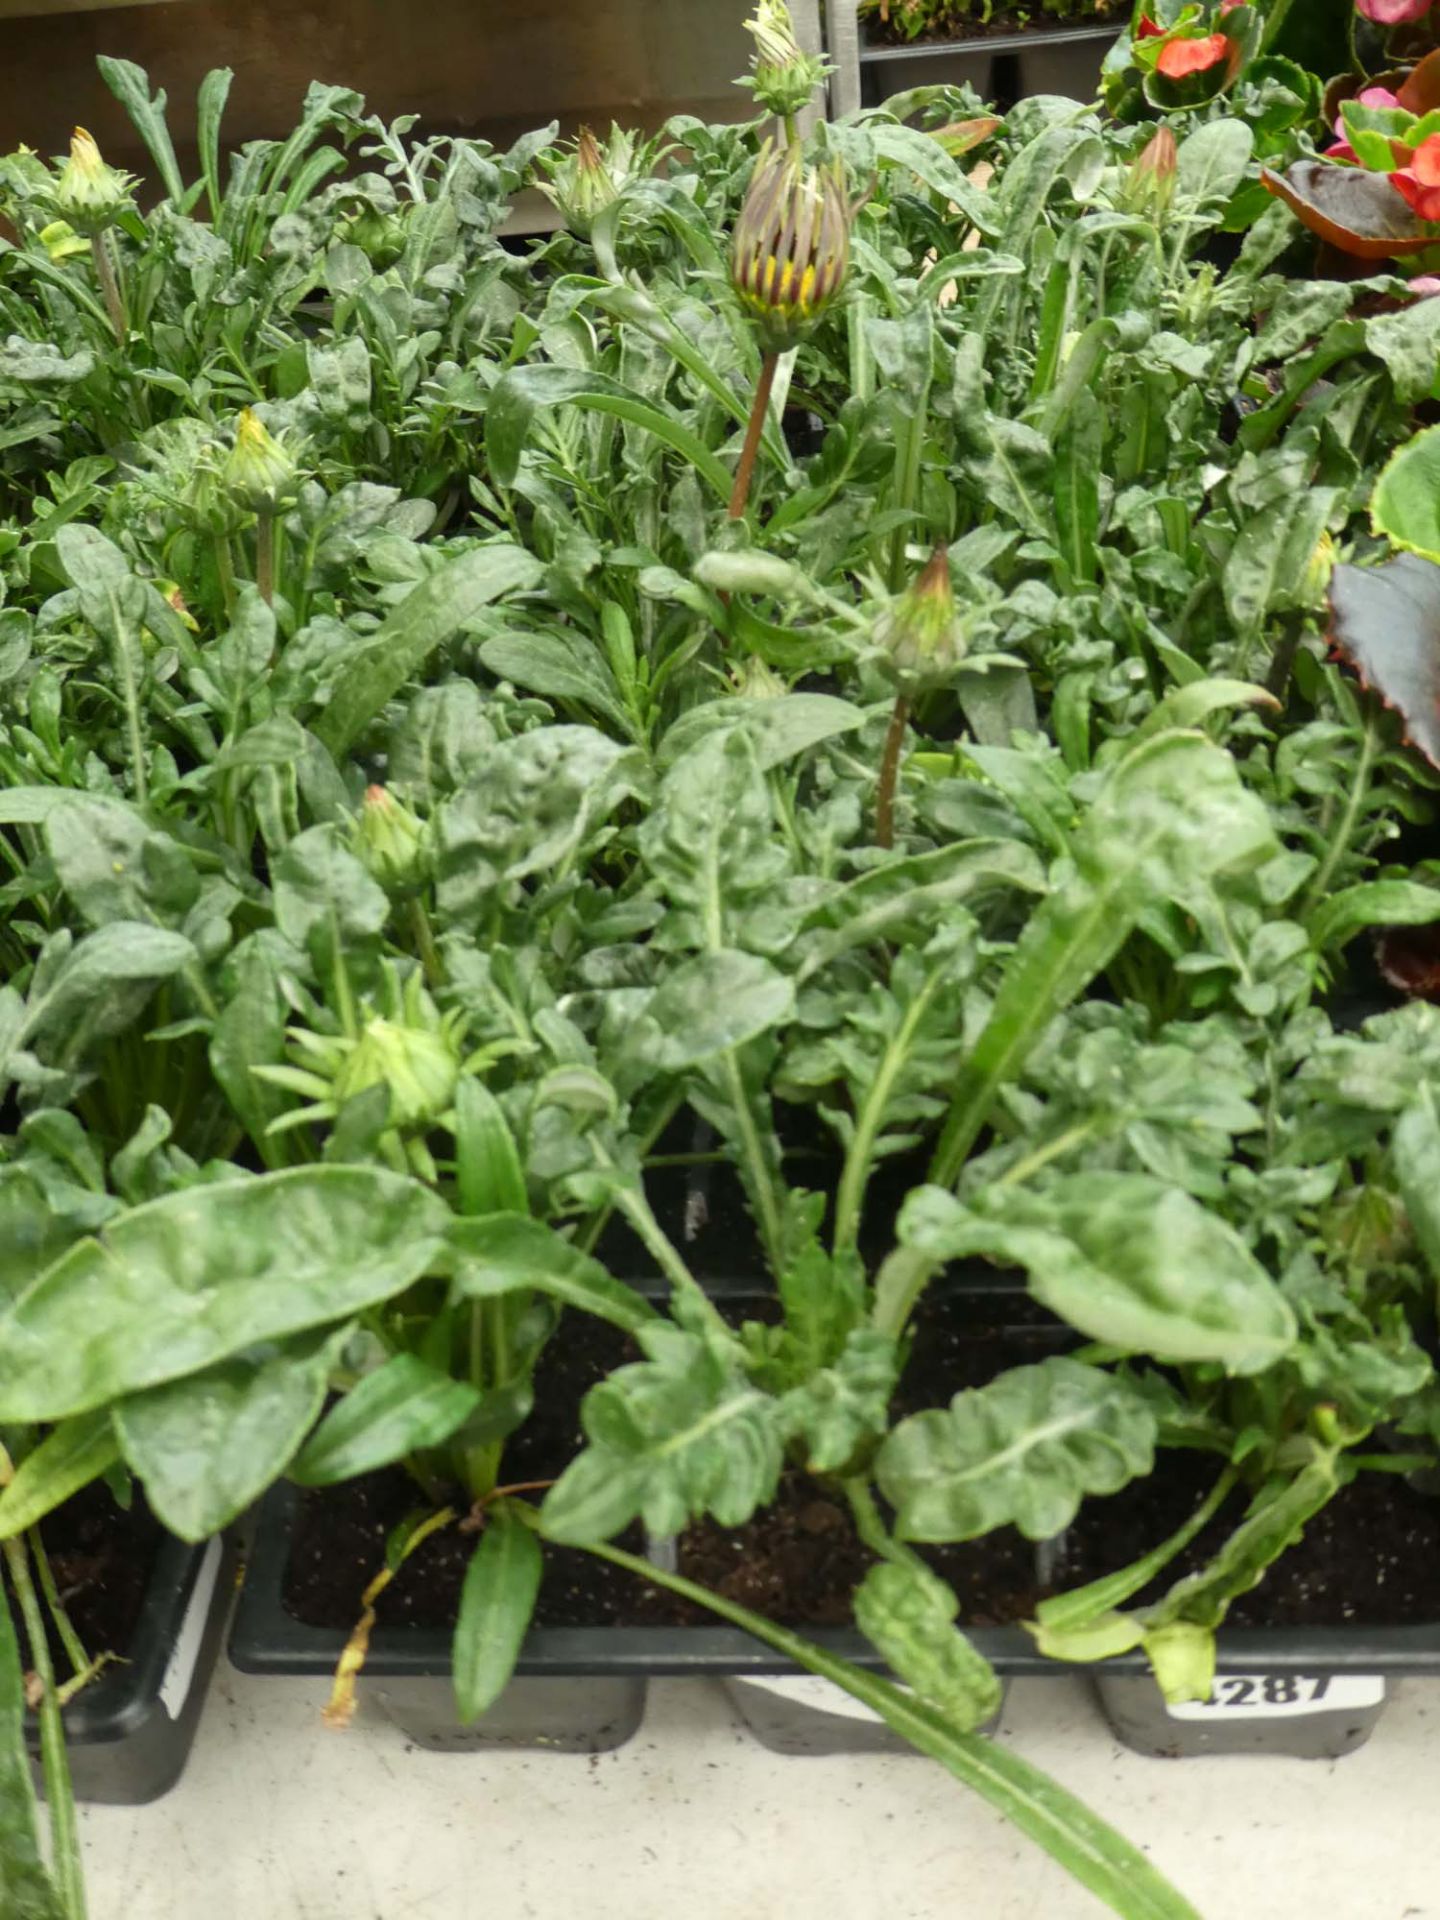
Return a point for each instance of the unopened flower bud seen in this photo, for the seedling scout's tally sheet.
(920, 631)
(391, 841)
(783, 77)
(755, 679)
(589, 178)
(380, 237)
(260, 472)
(89, 195)
(419, 1064)
(791, 246)
(1150, 186)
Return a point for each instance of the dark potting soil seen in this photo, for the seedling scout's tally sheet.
(338, 1540)
(102, 1558)
(1371, 1558)
(798, 1562)
(1004, 20)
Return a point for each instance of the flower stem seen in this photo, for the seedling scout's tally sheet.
(890, 773)
(265, 557)
(225, 570)
(744, 473)
(108, 276)
(64, 1828)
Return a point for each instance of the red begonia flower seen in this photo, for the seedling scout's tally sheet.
(1184, 57)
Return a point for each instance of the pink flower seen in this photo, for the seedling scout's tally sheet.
(1419, 183)
(1394, 13)
(1425, 287)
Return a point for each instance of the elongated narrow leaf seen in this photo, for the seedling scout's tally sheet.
(208, 1446)
(77, 1452)
(1091, 1851)
(1022, 1451)
(131, 87)
(401, 1407)
(1187, 706)
(427, 617)
(508, 1252)
(883, 901)
(1265, 572)
(779, 729)
(487, 1161)
(1172, 814)
(554, 665)
(1374, 903)
(209, 112)
(496, 1603)
(520, 393)
(27, 1891)
(1126, 1260)
(184, 1282)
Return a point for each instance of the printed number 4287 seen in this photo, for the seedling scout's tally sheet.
(1268, 1690)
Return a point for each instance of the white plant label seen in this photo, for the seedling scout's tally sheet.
(1282, 1696)
(810, 1690)
(175, 1687)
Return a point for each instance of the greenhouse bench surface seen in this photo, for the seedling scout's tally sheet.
(277, 1816)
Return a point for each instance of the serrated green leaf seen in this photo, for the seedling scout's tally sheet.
(908, 1614)
(1171, 815)
(1127, 1260)
(1022, 1451)
(680, 1434)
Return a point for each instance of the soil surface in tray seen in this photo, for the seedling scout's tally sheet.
(1369, 1559)
(339, 1537)
(1004, 20)
(798, 1562)
(102, 1558)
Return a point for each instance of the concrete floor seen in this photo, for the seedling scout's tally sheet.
(278, 1819)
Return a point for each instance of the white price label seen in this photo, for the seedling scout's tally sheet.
(1282, 1696)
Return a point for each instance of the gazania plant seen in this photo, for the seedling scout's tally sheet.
(802, 701)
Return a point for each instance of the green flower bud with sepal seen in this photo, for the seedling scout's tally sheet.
(921, 635)
(783, 77)
(392, 842)
(91, 195)
(260, 472)
(589, 177)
